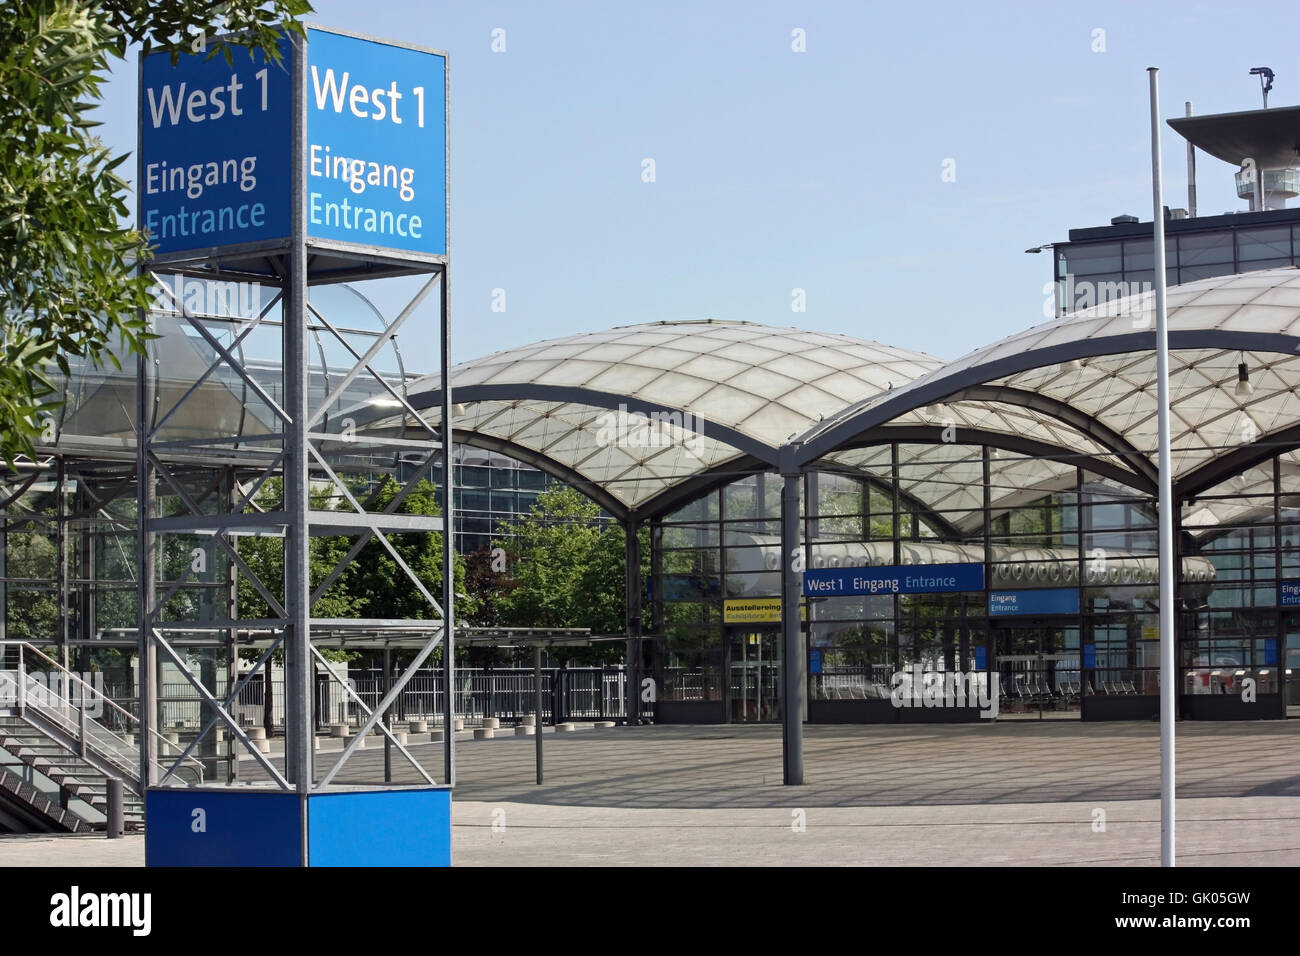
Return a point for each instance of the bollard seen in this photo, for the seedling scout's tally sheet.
(116, 822)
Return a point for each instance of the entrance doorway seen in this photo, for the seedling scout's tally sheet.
(754, 674)
(1038, 671)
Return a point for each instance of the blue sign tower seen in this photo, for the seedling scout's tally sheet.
(324, 164)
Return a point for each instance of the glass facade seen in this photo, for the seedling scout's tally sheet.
(1093, 271)
(1065, 624)
(491, 489)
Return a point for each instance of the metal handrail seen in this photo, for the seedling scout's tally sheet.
(79, 731)
(45, 657)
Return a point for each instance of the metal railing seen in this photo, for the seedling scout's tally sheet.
(580, 693)
(39, 686)
(575, 693)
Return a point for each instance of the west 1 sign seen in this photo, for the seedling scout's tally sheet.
(903, 579)
(376, 143)
(216, 163)
(217, 158)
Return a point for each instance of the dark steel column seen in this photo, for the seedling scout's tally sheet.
(1280, 634)
(388, 716)
(61, 552)
(632, 606)
(537, 706)
(792, 680)
(297, 581)
(448, 540)
(232, 638)
(147, 661)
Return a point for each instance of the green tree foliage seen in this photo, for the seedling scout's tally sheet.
(373, 585)
(33, 612)
(558, 548)
(565, 568)
(490, 587)
(67, 264)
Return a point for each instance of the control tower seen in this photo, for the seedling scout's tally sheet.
(1263, 144)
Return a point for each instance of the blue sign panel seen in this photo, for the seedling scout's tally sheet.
(1288, 593)
(814, 661)
(981, 658)
(1037, 601)
(1090, 655)
(903, 579)
(215, 150)
(1270, 652)
(216, 828)
(380, 828)
(376, 144)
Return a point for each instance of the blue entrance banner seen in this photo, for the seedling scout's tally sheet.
(1288, 593)
(902, 579)
(217, 155)
(1090, 655)
(215, 150)
(376, 143)
(1034, 601)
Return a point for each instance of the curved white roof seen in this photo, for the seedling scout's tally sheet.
(1093, 371)
(643, 417)
(722, 392)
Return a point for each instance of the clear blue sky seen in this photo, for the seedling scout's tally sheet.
(818, 170)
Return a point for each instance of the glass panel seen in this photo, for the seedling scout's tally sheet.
(754, 674)
(1256, 244)
(1138, 255)
(1093, 258)
(1199, 250)
(531, 479)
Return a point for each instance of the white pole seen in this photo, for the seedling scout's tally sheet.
(1168, 677)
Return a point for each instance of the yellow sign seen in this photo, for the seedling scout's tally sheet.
(757, 611)
(1150, 632)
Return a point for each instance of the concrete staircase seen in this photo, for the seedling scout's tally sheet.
(60, 746)
(67, 789)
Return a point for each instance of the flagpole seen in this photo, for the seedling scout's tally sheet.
(1168, 676)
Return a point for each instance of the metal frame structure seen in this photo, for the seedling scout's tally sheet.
(303, 453)
(303, 460)
(885, 418)
(217, 506)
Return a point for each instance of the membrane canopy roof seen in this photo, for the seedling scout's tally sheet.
(1079, 389)
(644, 417)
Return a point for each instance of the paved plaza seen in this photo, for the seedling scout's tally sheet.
(1005, 793)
